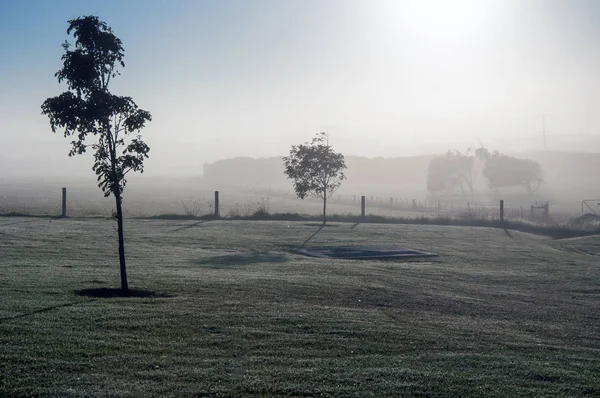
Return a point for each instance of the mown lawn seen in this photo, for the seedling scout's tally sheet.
(236, 313)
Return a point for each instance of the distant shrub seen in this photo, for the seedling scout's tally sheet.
(586, 221)
(262, 210)
(196, 207)
(233, 214)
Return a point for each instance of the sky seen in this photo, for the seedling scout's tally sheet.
(386, 78)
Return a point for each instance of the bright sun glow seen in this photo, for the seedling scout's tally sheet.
(441, 20)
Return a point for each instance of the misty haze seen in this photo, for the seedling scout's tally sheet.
(272, 198)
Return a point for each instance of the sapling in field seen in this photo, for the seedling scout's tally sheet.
(316, 169)
(88, 108)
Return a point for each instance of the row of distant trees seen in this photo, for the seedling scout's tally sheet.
(454, 171)
(317, 170)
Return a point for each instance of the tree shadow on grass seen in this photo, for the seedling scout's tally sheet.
(189, 226)
(241, 259)
(41, 310)
(312, 236)
(108, 292)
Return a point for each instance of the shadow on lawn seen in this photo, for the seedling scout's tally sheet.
(107, 292)
(46, 309)
(320, 225)
(189, 226)
(241, 259)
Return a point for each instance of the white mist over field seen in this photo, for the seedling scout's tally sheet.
(385, 78)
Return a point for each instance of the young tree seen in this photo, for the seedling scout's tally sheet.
(316, 169)
(87, 108)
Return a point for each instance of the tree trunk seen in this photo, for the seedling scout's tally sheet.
(124, 285)
(324, 210)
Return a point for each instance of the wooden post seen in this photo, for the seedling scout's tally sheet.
(362, 206)
(521, 211)
(64, 202)
(217, 204)
(531, 211)
(501, 210)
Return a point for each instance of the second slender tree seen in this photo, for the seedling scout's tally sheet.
(316, 169)
(88, 108)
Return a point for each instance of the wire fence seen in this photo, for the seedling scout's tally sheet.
(373, 205)
(260, 202)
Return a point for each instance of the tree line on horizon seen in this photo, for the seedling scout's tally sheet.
(454, 171)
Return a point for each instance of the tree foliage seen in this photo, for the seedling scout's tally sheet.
(502, 170)
(451, 171)
(87, 108)
(315, 169)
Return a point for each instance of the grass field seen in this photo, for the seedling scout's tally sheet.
(236, 313)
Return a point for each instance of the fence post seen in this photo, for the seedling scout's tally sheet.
(362, 206)
(531, 211)
(64, 202)
(217, 204)
(501, 210)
